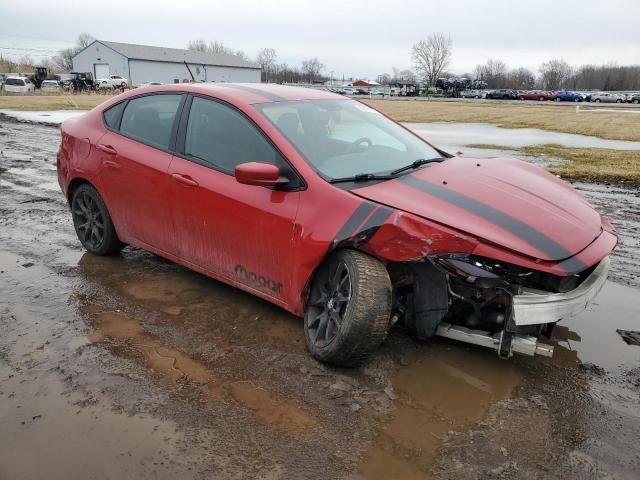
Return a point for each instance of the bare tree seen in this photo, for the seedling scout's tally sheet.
(215, 46)
(494, 72)
(266, 59)
(64, 59)
(197, 45)
(432, 56)
(555, 73)
(312, 68)
(84, 40)
(521, 78)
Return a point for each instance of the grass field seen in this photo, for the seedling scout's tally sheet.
(610, 124)
(52, 102)
(588, 164)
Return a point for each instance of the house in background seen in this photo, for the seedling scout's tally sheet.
(141, 64)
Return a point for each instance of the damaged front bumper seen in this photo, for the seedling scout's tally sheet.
(534, 307)
(531, 307)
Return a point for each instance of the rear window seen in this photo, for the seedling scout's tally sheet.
(112, 116)
(150, 119)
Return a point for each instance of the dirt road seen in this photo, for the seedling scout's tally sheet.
(133, 367)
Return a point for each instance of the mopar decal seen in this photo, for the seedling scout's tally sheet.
(257, 280)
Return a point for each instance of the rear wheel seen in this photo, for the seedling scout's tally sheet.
(541, 99)
(349, 308)
(92, 222)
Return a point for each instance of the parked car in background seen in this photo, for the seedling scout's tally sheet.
(547, 95)
(565, 96)
(18, 85)
(113, 81)
(50, 86)
(225, 181)
(349, 91)
(635, 98)
(605, 97)
(149, 84)
(472, 94)
(531, 95)
(503, 94)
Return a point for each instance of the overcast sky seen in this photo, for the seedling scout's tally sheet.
(350, 37)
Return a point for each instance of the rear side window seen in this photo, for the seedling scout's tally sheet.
(220, 137)
(15, 81)
(149, 119)
(112, 115)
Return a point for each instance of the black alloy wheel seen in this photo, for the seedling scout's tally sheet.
(328, 306)
(92, 222)
(348, 309)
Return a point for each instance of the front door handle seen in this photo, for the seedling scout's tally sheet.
(107, 149)
(184, 179)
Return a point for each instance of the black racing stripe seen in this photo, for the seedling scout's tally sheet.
(268, 95)
(572, 265)
(529, 234)
(369, 229)
(355, 220)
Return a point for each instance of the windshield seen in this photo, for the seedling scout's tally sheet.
(343, 138)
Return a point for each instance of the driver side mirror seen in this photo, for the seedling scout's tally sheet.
(259, 173)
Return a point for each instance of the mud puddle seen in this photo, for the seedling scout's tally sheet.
(454, 136)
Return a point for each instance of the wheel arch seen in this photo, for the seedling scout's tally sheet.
(74, 184)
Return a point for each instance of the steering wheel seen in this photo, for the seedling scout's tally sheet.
(357, 144)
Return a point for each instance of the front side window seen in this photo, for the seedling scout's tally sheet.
(220, 137)
(149, 119)
(343, 138)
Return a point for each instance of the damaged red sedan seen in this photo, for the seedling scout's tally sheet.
(336, 213)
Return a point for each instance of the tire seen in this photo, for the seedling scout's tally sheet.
(597, 100)
(521, 98)
(348, 310)
(558, 99)
(541, 99)
(636, 101)
(92, 222)
(618, 101)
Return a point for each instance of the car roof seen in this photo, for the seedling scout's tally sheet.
(250, 93)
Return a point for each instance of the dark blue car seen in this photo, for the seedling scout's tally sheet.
(562, 96)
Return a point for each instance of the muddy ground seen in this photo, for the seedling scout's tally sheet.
(134, 367)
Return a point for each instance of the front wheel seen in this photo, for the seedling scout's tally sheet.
(92, 222)
(349, 307)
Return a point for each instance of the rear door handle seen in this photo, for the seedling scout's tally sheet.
(184, 179)
(107, 149)
(110, 164)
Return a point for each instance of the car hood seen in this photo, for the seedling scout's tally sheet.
(503, 201)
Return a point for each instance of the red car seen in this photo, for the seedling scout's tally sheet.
(334, 212)
(536, 95)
